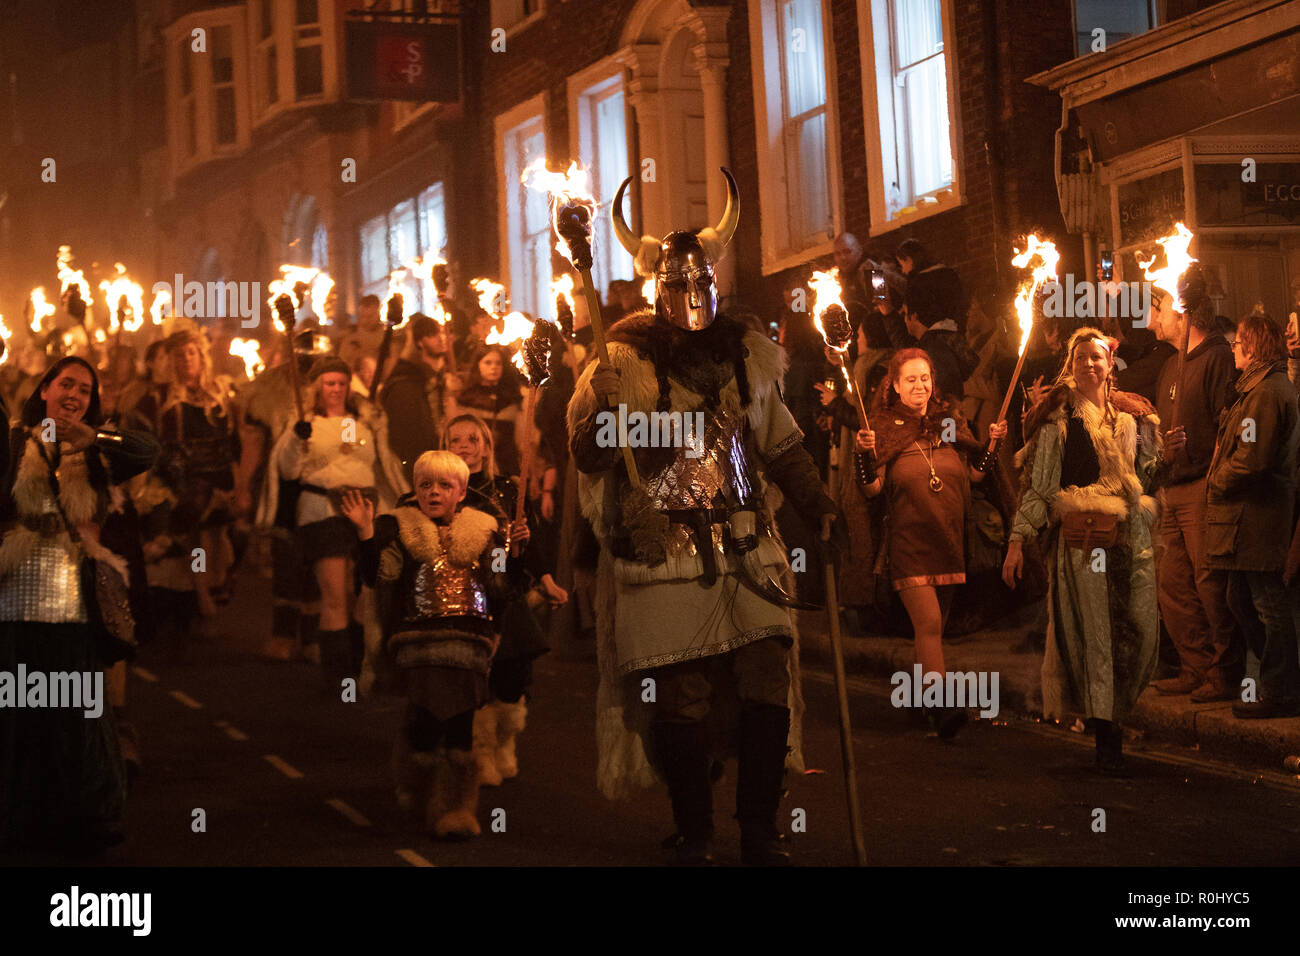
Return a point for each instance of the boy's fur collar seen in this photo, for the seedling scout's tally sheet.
(470, 533)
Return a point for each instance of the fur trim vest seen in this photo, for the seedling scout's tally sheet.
(84, 505)
(470, 534)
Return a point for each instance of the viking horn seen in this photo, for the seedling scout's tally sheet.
(726, 227)
(630, 240)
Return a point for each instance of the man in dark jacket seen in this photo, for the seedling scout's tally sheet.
(1194, 597)
(415, 395)
(1250, 498)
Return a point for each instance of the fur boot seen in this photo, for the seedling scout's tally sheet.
(486, 728)
(510, 723)
(453, 808)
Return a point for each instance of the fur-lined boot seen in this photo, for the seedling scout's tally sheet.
(453, 808)
(510, 723)
(486, 728)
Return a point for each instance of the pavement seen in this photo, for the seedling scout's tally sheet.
(1208, 728)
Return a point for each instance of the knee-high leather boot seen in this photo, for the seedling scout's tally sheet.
(764, 729)
(682, 751)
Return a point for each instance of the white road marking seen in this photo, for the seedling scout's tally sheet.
(283, 767)
(348, 811)
(185, 699)
(413, 858)
(144, 675)
(234, 733)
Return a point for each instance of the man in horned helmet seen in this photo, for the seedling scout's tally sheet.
(696, 641)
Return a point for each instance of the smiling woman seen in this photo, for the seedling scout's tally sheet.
(62, 782)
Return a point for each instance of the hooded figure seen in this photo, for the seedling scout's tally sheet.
(693, 580)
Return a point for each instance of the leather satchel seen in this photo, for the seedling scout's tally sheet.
(1086, 530)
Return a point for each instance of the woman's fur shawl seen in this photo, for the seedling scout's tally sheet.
(85, 506)
(897, 427)
(1118, 490)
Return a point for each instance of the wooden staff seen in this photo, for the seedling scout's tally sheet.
(846, 728)
(573, 223)
(392, 319)
(525, 441)
(284, 308)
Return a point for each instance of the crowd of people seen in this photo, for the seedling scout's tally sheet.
(1143, 488)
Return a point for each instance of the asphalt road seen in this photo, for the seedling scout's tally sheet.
(288, 775)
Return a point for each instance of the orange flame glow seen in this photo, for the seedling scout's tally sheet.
(826, 293)
(69, 276)
(1177, 260)
(648, 291)
(571, 186)
(5, 333)
(318, 284)
(250, 351)
(516, 328)
(122, 287)
(40, 308)
(1042, 257)
(399, 284)
(562, 286)
(491, 295)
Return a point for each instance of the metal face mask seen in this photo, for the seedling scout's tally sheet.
(684, 291)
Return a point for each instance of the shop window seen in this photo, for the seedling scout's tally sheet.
(205, 88)
(798, 181)
(908, 101)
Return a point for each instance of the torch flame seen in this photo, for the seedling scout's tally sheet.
(422, 269)
(69, 276)
(318, 284)
(250, 351)
(562, 286)
(5, 333)
(826, 293)
(490, 295)
(397, 285)
(516, 328)
(1176, 263)
(122, 287)
(563, 189)
(1041, 255)
(40, 308)
(648, 291)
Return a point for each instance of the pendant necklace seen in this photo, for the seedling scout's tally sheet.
(936, 483)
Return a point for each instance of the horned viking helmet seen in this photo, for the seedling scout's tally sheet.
(682, 262)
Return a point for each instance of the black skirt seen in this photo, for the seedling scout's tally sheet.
(62, 781)
(328, 538)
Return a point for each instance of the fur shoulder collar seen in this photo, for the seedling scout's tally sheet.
(469, 534)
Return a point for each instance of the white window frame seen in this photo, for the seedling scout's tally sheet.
(378, 285)
(518, 21)
(285, 41)
(780, 252)
(203, 88)
(508, 192)
(599, 79)
(875, 45)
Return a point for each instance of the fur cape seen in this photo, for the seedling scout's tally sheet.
(85, 507)
(471, 533)
(703, 371)
(897, 427)
(389, 478)
(1118, 490)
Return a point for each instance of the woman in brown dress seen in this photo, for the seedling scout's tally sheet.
(926, 458)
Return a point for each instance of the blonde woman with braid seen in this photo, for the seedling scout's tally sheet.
(1091, 453)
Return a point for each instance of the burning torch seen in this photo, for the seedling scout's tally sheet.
(573, 211)
(832, 322)
(1041, 256)
(1168, 279)
(284, 299)
(533, 359)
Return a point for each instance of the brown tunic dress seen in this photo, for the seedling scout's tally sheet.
(927, 530)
